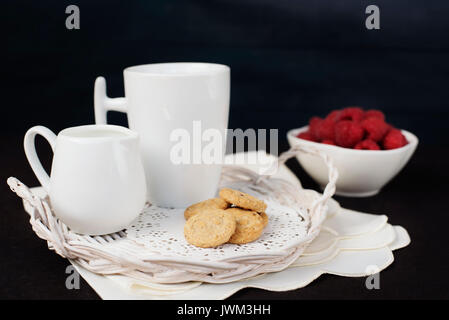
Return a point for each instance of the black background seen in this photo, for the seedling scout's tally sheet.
(289, 60)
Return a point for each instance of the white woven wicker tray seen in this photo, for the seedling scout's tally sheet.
(154, 249)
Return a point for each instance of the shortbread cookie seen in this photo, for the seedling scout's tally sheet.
(249, 225)
(206, 205)
(209, 229)
(264, 217)
(242, 200)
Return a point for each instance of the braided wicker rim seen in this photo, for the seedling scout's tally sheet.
(94, 254)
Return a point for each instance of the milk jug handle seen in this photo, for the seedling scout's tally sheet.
(33, 159)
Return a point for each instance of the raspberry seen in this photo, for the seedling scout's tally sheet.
(348, 133)
(306, 136)
(334, 116)
(394, 139)
(375, 127)
(326, 130)
(351, 113)
(313, 127)
(374, 114)
(332, 143)
(367, 145)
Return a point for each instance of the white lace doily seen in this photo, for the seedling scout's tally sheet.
(159, 231)
(154, 249)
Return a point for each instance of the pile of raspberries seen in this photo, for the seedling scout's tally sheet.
(355, 128)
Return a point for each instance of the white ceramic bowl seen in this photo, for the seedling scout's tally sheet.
(362, 173)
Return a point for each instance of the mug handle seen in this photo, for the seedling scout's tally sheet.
(30, 152)
(103, 104)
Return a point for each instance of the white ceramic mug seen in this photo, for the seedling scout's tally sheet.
(97, 183)
(164, 97)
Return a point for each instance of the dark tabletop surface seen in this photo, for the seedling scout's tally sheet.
(414, 200)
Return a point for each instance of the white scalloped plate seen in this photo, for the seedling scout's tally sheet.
(355, 223)
(333, 230)
(374, 240)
